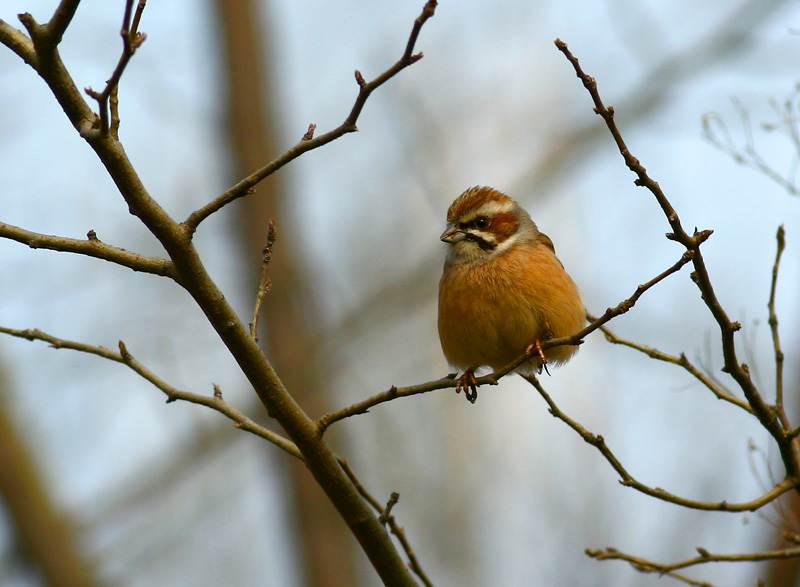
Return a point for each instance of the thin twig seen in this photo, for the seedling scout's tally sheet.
(716, 132)
(392, 393)
(386, 518)
(387, 510)
(264, 283)
(773, 326)
(628, 480)
(682, 361)
(642, 565)
(307, 143)
(215, 402)
(132, 39)
(703, 558)
(91, 247)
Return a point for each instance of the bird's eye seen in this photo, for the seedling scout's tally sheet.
(481, 222)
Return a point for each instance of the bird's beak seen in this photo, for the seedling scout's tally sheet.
(452, 235)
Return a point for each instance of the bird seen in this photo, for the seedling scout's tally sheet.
(503, 291)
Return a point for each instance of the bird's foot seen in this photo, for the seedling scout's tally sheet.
(537, 346)
(469, 384)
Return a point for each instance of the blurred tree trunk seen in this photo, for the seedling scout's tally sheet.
(45, 539)
(288, 311)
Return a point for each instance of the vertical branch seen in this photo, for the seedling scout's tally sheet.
(131, 40)
(773, 325)
(264, 284)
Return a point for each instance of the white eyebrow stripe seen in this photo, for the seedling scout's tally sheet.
(493, 208)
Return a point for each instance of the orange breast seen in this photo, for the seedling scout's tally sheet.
(490, 313)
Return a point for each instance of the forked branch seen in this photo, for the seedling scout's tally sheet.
(628, 480)
(215, 401)
(647, 566)
(740, 372)
(131, 41)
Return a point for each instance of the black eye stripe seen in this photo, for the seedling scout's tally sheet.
(481, 242)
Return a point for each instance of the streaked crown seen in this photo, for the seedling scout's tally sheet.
(483, 221)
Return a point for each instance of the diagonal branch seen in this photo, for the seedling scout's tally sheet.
(309, 142)
(91, 247)
(628, 480)
(682, 361)
(217, 403)
(20, 44)
(124, 357)
(647, 566)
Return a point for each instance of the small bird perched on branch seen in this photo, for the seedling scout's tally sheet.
(503, 291)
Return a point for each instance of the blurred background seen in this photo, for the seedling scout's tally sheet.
(105, 484)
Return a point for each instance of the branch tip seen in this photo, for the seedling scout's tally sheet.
(360, 79)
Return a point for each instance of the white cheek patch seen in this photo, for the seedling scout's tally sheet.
(506, 244)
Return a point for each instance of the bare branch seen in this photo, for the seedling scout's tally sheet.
(642, 565)
(91, 247)
(20, 44)
(628, 480)
(131, 41)
(716, 132)
(215, 402)
(385, 517)
(62, 17)
(740, 372)
(681, 361)
(190, 273)
(773, 325)
(264, 284)
(704, 557)
(242, 422)
(307, 143)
